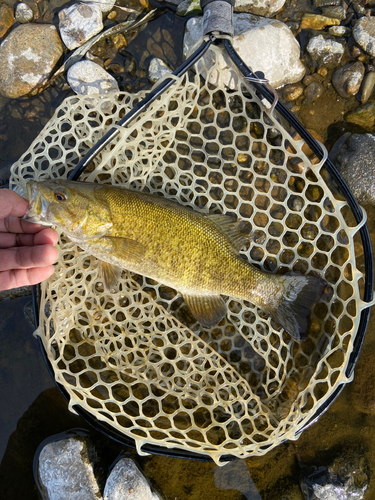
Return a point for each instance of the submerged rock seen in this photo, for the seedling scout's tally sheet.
(6, 18)
(80, 22)
(254, 37)
(126, 482)
(368, 86)
(355, 161)
(87, 77)
(364, 34)
(364, 116)
(65, 471)
(317, 22)
(27, 57)
(347, 79)
(325, 52)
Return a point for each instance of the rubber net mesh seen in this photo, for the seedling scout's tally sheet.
(136, 358)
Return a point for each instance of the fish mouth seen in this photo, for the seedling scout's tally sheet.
(37, 210)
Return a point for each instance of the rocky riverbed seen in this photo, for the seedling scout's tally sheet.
(320, 55)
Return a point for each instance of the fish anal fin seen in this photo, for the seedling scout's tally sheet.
(209, 310)
(232, 228)
(110, 275)
(125, 248)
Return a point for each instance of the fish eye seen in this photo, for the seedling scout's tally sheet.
(60, 196)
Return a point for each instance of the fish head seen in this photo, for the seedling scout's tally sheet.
(66, 205)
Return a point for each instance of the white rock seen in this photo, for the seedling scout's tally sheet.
(265, 45)
(80, 22)
(87, 77)
(157, 69)
(325, 51)
(65, 471)
(24, 13)
(105, 5)
(266, 8)
(126, 482)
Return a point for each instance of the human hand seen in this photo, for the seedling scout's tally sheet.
(26, 249)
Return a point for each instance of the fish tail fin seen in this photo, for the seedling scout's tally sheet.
(293, 310)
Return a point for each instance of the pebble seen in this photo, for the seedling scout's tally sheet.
(293, 92)
(27, 57)
(325, 52)
(368, 86)
(24, 13)
(65, 471)
(265, 8)
(317, 22)
(339, 31)
(78, 23)
(347, 80)
(364, 116)
(87, 77)
(364, 34)
(254, 37)
(313, 91)
(157, 69)
(355, 161)
(335, 12)
(126, 482)
(6, 18)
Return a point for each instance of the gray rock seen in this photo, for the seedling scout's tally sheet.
(335, 12)
(27, 57)
(368, 86)
(313, 91)
(105, 5)
(355, 161)
(364, 34)
(348, 79)
(80, 22)
(325, 52)
(66, 472)
(126, 482)
(339, 31)
(157, 69)
(265, 45)
(24, 14)
(266, 8)
(87, 77)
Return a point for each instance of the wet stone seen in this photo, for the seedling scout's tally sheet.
(348, 79)
(364, 116)
(65, 470)
(6, 18)
(24, 13)
(339, 31)
(317, 22)
(105, 5)
(355, 160)
(325, 52)
(87, 77)
(27, 57)
(78, 23)
(266, 8)
(126, 481)
(313, 91)
(335, 12)
(293, 92)
(157, 70)
(364, 34)
(368, 86)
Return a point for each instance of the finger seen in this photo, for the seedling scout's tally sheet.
(24, 277)
(12, 204)
(26, 257)
(47, 236)
(16, 225)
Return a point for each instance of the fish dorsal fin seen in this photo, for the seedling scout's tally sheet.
(207, 309)
(125, 248)
(110, 275)
(231, 228)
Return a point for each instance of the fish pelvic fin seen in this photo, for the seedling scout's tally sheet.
(209, 310)
(110, 275)
(293, 311)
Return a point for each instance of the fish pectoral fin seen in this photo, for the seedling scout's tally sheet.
(231, 228)
(110, 275)
(207, 309)
(126, 248)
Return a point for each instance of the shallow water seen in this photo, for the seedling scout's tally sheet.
(33, 410)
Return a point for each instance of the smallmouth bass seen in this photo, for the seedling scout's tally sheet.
(196, 254)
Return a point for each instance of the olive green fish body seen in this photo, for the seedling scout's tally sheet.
(194, 253)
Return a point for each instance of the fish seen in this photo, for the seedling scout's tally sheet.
(197, 254)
